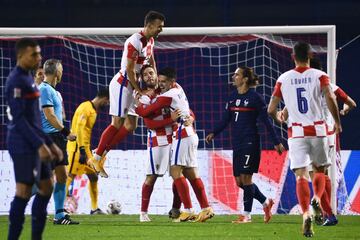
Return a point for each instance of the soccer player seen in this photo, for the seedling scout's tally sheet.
(301, 89)
(327, 218)
(29, 148)
(79, 151)
(52, 124)
(184, 146)
(160, 130)
(243, 109)
(138, 50)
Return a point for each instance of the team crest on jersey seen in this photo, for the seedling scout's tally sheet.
(237, 103)
(246, 102)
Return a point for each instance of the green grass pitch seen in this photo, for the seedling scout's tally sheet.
(220, 227)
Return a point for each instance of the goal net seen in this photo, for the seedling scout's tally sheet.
(205, 60)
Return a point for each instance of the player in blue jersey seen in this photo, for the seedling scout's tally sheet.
(243, 110)
(52, 124)
(29, 148)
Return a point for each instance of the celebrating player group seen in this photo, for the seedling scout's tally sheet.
(40, 145)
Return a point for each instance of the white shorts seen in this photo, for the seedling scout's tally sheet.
(158, 160)
(184, 151)
(121, 98)
(306, 151)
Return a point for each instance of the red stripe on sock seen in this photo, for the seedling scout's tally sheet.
(106, 138)
(183, 190)
(303, 194)
(198, 187)
(145, 197)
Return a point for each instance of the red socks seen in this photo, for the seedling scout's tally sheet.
(198, 187)
(106, 138)
(303, 194)
(119, 136)
(176, 197)
(319, 184)
(326, 197)
(145, 197)
(183, 190)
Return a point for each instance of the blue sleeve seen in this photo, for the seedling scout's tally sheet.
(225, 119)
(17, 110)
(264, 117)
(46, 98)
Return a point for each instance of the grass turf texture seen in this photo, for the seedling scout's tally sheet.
(220, 227)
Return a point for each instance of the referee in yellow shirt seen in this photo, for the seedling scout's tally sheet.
(79, 151)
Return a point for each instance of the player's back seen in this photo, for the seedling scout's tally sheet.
(301, 91)
(137, 48)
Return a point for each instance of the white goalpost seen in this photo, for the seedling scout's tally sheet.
(85, 37)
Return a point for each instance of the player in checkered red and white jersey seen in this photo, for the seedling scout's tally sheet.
(160, 128)
(301, 89)
(138, 50)
(327, 217)
(184, 146)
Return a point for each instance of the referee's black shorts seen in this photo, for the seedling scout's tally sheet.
(60, 141)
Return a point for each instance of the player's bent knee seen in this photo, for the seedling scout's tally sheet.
(150, 180)
(23, 190)
(117, 121)
(46, 187)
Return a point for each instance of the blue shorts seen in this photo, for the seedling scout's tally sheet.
(246, 160)
(29, 169)
(60, 141)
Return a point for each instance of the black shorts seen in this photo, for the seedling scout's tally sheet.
(29, 169)
(246, 160)
(60, 141)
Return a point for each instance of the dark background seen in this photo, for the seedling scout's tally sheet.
(344, 14)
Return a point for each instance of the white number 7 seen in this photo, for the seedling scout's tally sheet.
(247, 159)
(236, 116)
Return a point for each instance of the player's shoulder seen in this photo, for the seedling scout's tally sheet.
(134, 39)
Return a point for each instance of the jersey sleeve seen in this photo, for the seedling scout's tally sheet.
(81, 124)
(341, 95)
(277, 90)
(225, 119)
(160, 102)
(46, 99)
(324, 80)
(264, 118)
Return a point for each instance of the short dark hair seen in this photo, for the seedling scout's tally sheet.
(103, 93)
(152, 16)
(301, 51)
(50, 66)
(316, 63)
(23, 43)
(168, 72)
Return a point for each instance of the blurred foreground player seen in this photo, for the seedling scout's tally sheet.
(29, 148)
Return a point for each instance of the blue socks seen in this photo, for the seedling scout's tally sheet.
(16, 217)
(39, 215)
(59, 199)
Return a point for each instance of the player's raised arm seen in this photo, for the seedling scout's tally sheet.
(348, 102)
(131, 72)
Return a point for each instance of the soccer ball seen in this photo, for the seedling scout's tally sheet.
(113, 207)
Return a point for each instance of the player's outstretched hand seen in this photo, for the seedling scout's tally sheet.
(83, 158)
(279, 148)
(45, 154)
(209, 138)
(56, 151)
(175, 115)
(189, 120)
(71, 137)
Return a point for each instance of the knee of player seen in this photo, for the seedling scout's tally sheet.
(93, 177)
